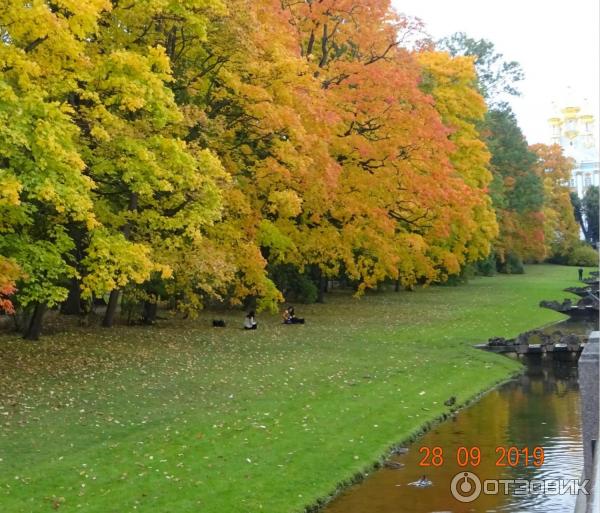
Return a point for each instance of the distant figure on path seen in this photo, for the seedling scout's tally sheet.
(289, 316)
(580, 271)
(250, 321)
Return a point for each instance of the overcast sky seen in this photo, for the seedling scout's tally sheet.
(556, 42)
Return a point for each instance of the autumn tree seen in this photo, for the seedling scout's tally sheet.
(212, 149)
(560, 228)
(399, 194)
(452, 81)
(161, 190)
(129, 190)
(9, 274)
(41, 171)
(516, 189)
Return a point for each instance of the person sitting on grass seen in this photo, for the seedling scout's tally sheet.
(289, 316)
(250, 321)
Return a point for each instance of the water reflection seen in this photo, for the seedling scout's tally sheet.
(540, 408)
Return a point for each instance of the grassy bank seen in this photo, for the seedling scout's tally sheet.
(185, 418)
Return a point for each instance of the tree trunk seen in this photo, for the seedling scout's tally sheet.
(250, 303)
(72, 305)
(311, 43)
(34, 328)
(584, 230)
(397, 286)
(324, 47)
(111, 309)
(150, 310)
(322, 287)
(133, 203)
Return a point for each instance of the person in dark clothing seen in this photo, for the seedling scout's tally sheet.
(580, 271)
(289, 316)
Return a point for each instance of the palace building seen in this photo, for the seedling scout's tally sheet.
(576, 129)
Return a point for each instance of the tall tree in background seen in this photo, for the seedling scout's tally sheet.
(452, 83)
(269, 118)
(578, 214)
(497, 78)
(517, 191)
(158, 190)
(590, 213)
(560, 226)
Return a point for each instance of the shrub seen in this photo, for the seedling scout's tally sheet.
(512, 265)
(305, 291)
(466, 272)
(584, 255)
(487, 266)
(295, 286)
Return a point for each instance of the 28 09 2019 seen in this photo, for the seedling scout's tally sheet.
(472, 456)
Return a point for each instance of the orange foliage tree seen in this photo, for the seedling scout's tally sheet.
(452, 81)
(400, 200)
(561, 231)
(9, 273)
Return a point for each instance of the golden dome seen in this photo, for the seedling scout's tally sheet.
(571, 134)
(570, 112)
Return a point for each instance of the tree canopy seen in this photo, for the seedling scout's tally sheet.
(196, 151)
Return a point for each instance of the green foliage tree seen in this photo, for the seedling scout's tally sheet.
(590, 213)
(586, 213)
(497, 78)
(578, 214)
(517, 191)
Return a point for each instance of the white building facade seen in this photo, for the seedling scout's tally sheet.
(576, 131)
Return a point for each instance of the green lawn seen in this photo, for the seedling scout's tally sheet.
(185, 418)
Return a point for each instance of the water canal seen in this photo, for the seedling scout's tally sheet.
(539, 408)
